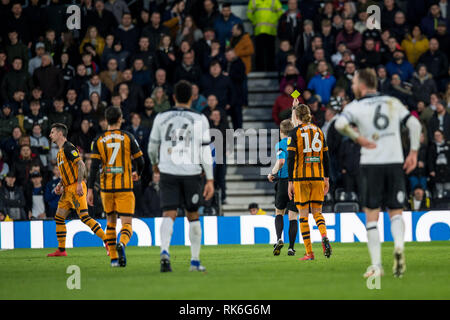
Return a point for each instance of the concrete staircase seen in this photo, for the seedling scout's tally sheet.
(247, 182)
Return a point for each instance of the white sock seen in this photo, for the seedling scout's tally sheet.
(373, 242)
(195, 236)
(398, 231)
(166, 233)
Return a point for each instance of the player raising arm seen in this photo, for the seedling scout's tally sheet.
(378, 119)
(114, 151)
(179, 149)
(308, 169)
(72, 187)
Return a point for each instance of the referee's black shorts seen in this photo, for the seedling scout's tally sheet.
(382, 186)
(282, 197)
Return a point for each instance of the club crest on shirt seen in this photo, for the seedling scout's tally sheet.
(74, 153)
(289, 141)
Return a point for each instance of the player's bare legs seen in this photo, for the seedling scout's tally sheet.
(398, 233)
(169, 217)
(125, 235)
(304, 229)
(373, 242)
(195, 237)
(279, 226)
(320, 222)
(293, 230)
(61, 231)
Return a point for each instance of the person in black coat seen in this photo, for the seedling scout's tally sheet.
(384, 84)
(349, 155)
(155, 30)
(235, 69)
(152, 206)
(12, 198)
(127, 33)
(218, 84)
(103, 19)
(95, 85)
(220, 168)
(436, 62)
(188, 69)
(439, 161)
(439, 121)
(290, 24)
(49, 79)
(368, 57)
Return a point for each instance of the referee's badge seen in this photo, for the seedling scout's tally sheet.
(289, 141)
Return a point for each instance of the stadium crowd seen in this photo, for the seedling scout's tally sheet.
(132, 55)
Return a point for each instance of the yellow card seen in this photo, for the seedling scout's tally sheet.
(295, 94)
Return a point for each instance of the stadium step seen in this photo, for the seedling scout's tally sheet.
(257, 114)
(263, 85)
(245, 184)
(263, 98)
(243, 170)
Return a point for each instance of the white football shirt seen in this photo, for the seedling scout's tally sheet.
(379, 118)
(180, 134)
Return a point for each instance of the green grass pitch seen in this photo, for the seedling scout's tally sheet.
(234, 272)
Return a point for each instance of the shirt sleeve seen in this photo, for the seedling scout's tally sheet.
(206, 137)
(95, 154)
(135, 150)
(292, 140)
(71, 153)
(281, 154)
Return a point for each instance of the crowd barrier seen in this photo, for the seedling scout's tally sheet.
(342, 227)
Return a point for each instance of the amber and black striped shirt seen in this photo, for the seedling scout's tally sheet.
(309, 145)
(116, 150)
(67, 161)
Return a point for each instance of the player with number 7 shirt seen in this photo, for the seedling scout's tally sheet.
(308, 170)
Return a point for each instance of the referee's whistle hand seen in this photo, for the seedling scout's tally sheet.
(208, 192)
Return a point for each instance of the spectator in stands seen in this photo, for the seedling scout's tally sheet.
(443, 37)
(39, 144)
(4, 167)
(213, 104)
(82, 139)
(95, 85)
(281, 56)
(423, 84)
(24, 163)
(59, 115)
(16, 79)
(439, 121)
(166, 56)
(254, 209)
(95, 39)
(418, 201)
(34, 197)
(265, 29)
(151, 194)
(400, 27)
(242, 45)
(415, 44)
(304, 45)
(187, 69)
(127, 33)
(401, 91)
(281, 109)
(323, 82)
(35, 63)
(317, 110)
(198, 100)
(439, 160)
(350, 36)
(224, 23)
(35, 116)
(293, 77)
(368, 57)
(319, 55)
(290, 24)
(436, 62)
(202, 47)
(218, 84)
(140, 132)
(331, 112)
(86, 113)
(12, 198)
(155, 30)
(235, 70)
(429, 23)
(8, 121)
(118, 8)
(141, 76)
(11, 145)
(400, 66)
(345, 80)
(147, 54)
(102, 19)
(188, 32)
(349, 156)
(160, 99)
(418, 177)
(50, 197)
(49, 79)
(209, 14)
(67, 70)
(149, 114)
(383, 81)
(215, 54)
(16, 49)
(111, 77)
(388, 12)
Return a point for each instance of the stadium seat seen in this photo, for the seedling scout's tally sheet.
(340, 195)
(346, 207)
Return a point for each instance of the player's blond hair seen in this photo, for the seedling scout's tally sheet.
(368, 76)
(286, 126)
(303, 113)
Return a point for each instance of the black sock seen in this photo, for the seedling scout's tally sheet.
(279, 225)
(293, 229)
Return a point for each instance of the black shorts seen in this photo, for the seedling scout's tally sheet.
(382, 186)
(282, 197)
(180, 192)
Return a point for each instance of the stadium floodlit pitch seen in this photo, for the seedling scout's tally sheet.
(234, 272)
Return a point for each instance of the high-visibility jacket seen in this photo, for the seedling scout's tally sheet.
(264, 15)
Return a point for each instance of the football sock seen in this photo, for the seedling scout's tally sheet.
(320, 222)
(111, 237)
(373, 242)
(195, 236)
(166, 233)
(61, 232)
(94, 225)
(279, 225)
(398, 231)
(126, 233)
(304, 228)
(293, 229)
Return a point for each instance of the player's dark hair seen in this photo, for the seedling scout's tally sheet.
(60, 127)
(368, 76)
(286, 126)
(183, 91)
(112, 115)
